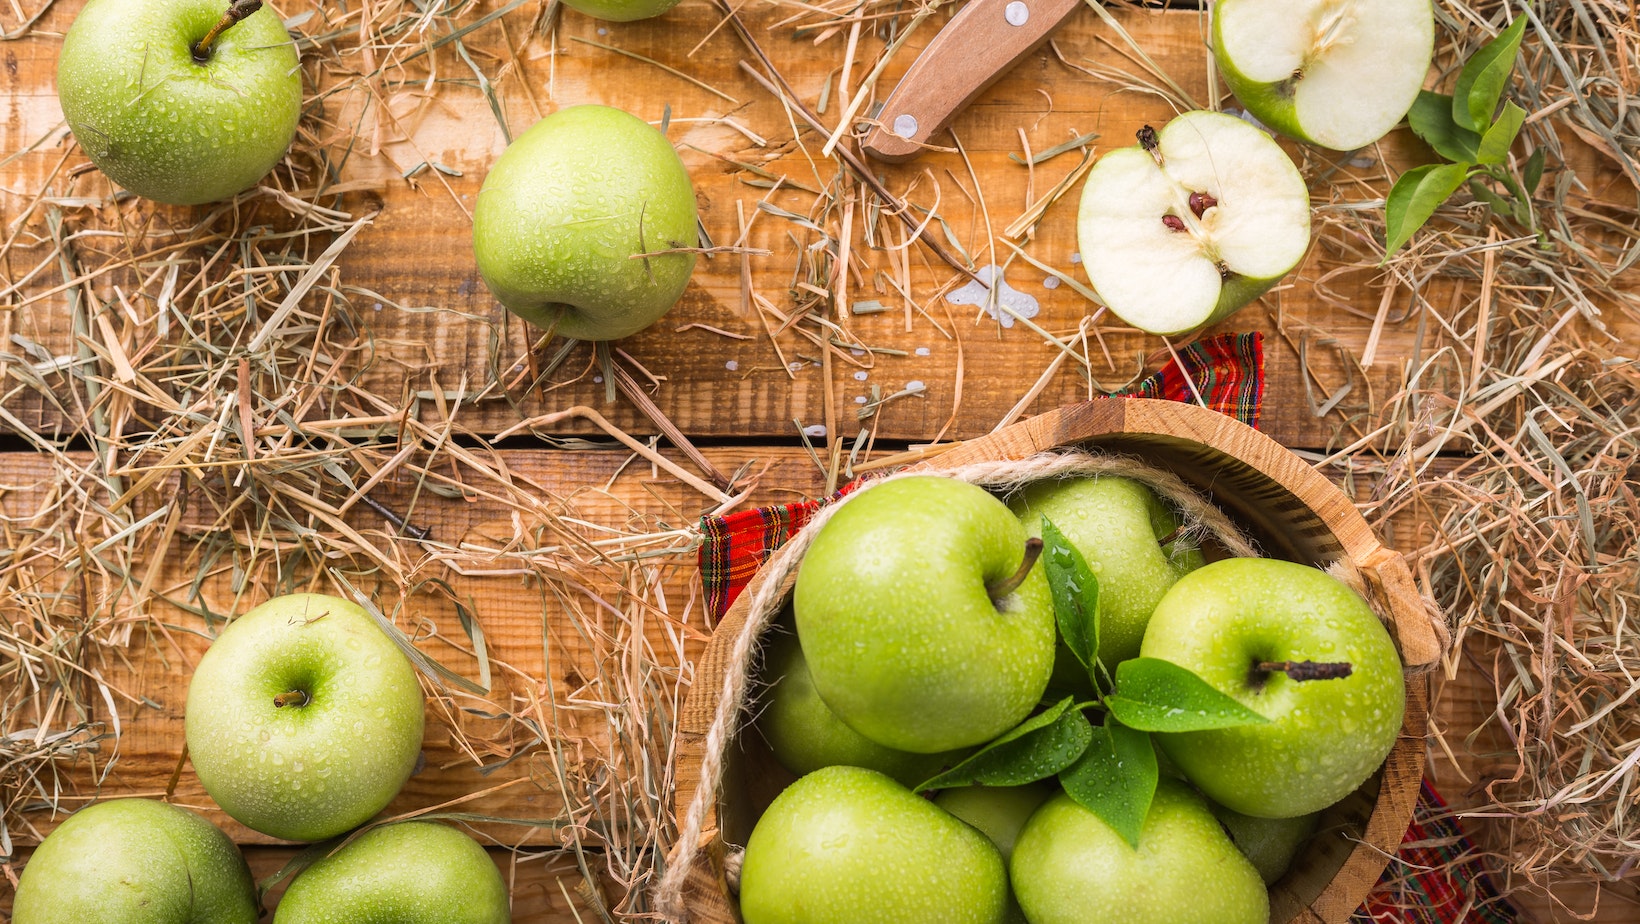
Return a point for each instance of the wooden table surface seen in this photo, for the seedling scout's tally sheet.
(435, 367)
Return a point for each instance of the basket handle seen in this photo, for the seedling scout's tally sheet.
(1422, 640)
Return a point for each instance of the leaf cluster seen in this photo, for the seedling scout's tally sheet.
(1467, 129)
(1110, 769)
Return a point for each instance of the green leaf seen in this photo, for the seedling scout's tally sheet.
(1415, 197)
(1495, 143)
(1431, 120)
(1484, 76)
(1160, 696)
(1075, 594)
(1498, 204)
(1115, 778)
(1534, 170)
(1035, 749)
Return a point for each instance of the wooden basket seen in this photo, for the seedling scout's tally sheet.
(1287, 507)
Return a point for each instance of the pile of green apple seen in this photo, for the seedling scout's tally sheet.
(1111, 728)
(304, 719)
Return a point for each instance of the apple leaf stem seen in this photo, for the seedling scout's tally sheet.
(238, 11)
(290, 698)
(1306, 670)
(1001, 589)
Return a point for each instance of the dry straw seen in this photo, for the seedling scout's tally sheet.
(210, 420)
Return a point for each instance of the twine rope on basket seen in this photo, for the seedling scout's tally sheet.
(1200, 519)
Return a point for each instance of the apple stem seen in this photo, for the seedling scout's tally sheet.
(1177, 532)
(1307, 670)
(1001, 589)
(292, 698)
(238, 11)
(1151, 144)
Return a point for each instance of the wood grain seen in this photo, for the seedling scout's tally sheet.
(416, 252)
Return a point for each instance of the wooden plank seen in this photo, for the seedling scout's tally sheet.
(416, 253)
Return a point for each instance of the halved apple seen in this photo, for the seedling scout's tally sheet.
(1338, 73)
(1198, 220)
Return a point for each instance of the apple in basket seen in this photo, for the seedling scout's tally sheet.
(923, 613)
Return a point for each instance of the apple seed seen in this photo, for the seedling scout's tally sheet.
(1173, 222)
(1200, 202)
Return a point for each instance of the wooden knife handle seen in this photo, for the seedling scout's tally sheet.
(978, 45)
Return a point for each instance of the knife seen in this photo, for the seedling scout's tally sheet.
(980, 44)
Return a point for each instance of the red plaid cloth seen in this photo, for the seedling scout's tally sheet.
(1435, 878)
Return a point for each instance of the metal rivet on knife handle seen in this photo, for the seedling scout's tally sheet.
(982, 41)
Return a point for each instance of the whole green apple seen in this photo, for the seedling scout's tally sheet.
(925, 625)
(1117, 524)
(1338, 73)
(999, 812)
(1199, 219)
(1228, 622)
(414, 872)
(621, 10)
(135, 861)
(1270, 844)
(166, 124)
(846, 845)
(805, 734)
(303, 718)
(573, 220)
(1069, 867)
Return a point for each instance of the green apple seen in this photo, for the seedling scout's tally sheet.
(1270, 844)
(414, 871)
(1117, 524)
(805, 734)
(999, 812)
(846, 845)
(303, 718)
(572, 221)
(1338, 73)
(170, 125)
(1228, 622)
(1069, 867)
(621, 10)
(135, 861)
(1198, 220)
(926, 626)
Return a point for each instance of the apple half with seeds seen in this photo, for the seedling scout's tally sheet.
(1198, 220)
(1337, 73)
